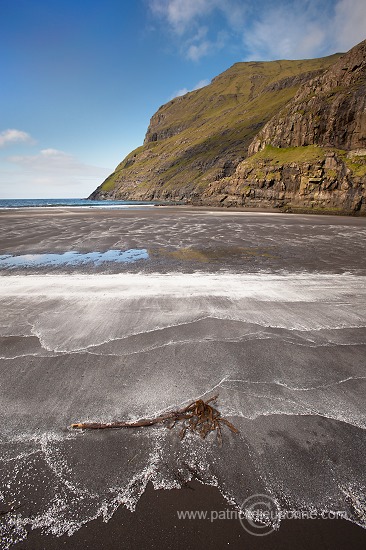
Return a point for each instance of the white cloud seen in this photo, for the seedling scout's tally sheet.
(196, 51)
(180, 13)
(12, 135)
(292, 29)
(201, 84)
(198, 46)
(349, 24)
(49, 173)
(184, 19)
(198, 86)
(281, 33)
(310, 29)
(53, 153)
(179, 93)
(47, 160)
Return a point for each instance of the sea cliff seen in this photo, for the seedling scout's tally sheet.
(280, 134)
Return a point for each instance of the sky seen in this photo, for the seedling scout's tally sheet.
(80, 79)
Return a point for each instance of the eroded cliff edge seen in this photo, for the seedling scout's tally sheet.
(284, 134)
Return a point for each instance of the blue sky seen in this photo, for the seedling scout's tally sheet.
(80, 79)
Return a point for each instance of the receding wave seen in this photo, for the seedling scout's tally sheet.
(284, 353)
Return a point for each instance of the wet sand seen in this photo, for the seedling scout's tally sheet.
(267, 310)
(190, 240)
(155, 525)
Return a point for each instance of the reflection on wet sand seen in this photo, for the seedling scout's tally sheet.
(72, 258)
(213, 254)
(174, 308)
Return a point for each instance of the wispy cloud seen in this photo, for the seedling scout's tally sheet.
(11, 136)
(191, 21)
(308, 29)
(280, 32)
(180, 13)
(349, 23)
(49, 173)
(48, 160)
(198, 86)
(196, 49)
(263, 29)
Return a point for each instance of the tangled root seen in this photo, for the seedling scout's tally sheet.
(198, 417)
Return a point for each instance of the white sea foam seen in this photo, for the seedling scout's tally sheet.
(301, 287)
(277, 349)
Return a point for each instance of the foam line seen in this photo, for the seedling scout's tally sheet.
(302, 287)
(292, 388)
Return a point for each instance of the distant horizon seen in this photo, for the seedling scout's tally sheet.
(67, 198)
(82, 84)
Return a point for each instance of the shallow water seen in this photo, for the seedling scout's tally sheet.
(285, 358)
(9, 261)
(71, 203)
(285, 351)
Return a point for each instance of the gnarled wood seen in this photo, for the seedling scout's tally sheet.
(198, 416)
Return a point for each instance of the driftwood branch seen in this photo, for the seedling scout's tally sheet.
(198, 416)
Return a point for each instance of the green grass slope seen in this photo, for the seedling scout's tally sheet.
(202, 136)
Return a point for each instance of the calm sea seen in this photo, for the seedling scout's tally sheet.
(83, 203)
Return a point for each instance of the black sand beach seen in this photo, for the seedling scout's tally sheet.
(155, 525)
(124, 314)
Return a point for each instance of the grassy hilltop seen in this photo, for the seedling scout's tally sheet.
(196, 144)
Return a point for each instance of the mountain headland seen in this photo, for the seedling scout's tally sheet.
(280, 134)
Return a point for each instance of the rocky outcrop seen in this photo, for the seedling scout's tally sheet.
(325, 181)
(329, 110)
(282, 134)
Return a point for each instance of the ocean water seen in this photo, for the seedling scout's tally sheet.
(84, 203)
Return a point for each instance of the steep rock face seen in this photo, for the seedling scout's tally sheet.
(329, 110)
(285, 134)
(296, 179)
(202, 136)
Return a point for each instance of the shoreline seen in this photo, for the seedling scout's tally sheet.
(193, 207)
(155, 525)
(266, 310)
(279, 210)
(146, 208)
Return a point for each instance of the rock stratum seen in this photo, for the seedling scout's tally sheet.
(279, 134)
